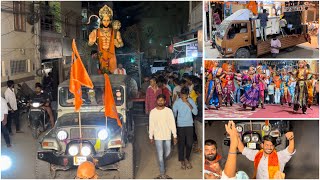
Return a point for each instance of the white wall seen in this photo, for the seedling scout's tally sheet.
(16, 45)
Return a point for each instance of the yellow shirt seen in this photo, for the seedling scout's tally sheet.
(193, 95)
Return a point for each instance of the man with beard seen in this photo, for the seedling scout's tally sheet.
(161, 126)
(268, 162)
(214, 163)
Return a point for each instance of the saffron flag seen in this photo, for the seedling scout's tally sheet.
(110, 109)
(252, 5)
(78, 77)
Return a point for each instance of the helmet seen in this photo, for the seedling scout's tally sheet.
(87, 170)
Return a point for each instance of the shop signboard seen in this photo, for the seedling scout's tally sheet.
(227, 9)
(292, 6)
(182, 60)
(192, 50)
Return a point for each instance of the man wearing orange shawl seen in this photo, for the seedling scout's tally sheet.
(214, 163)
(268, 162)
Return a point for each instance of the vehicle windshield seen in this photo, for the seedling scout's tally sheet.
(90, 97)
(160, 64)
(72, 119)
(222, 29)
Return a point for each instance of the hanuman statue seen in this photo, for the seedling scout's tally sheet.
(107, 36)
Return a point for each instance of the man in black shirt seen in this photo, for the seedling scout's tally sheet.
(41, 97)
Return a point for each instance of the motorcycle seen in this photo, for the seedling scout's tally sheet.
(38, 119)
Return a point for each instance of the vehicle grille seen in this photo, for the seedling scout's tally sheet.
(255, 127)
(89, 133)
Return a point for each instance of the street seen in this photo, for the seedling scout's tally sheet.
(304, 164)
(23, 154)
(270, 111)
(305, 50)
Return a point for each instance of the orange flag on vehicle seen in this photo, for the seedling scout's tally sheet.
(78, 76)
(252, 5)
(110, 109)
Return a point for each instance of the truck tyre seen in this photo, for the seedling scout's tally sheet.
(290, 49)
(225, 150)
(126, 166)
(242, 53)
(43, 170)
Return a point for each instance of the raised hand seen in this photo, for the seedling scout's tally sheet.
(289, 135)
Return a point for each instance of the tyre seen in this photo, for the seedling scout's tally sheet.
(242, 53)
(43, 170)
(290, 49)
(35, 132)
(126, 166)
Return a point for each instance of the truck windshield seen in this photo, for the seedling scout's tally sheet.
(90, 97)
(87, 119)
(222, 29)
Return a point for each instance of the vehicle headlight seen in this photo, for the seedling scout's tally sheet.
(62, 135)
(255, 138)
(73, 150)
(239, 129)
(5, 162)
(103, 134)
(266, 128)
(85, 151)
(35, 104)
(246, 138)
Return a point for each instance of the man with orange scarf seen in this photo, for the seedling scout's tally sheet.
(214, 163)
(268, 162)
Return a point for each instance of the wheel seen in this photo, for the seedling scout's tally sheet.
(43, 170)
(242, 53)
(290, 49)
(35, 132)
(126, 166)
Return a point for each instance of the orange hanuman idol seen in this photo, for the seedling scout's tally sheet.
(107, 37)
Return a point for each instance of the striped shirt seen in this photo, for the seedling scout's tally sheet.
(162, 124)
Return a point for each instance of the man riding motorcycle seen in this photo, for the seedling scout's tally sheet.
(39, 96)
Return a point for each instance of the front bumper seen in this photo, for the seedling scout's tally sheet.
(68, 161)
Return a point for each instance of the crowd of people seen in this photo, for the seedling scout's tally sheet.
(260, 85)
(174, 106)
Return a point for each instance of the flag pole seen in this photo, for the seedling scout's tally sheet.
(80, 129)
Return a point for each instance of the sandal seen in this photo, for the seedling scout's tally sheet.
(188, 165)
(183, 165)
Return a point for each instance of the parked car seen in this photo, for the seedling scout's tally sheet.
(158, 65)
(103, 142)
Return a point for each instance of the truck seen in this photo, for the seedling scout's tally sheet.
(239, 34)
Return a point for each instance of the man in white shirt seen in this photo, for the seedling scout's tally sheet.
(268, 162)
(161, 126)
(11, 99)
(4, 115)
(120, 70)
(275, 45)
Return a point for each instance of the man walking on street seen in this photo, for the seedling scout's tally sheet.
(183, 108)
(161, 126)
(11, 99)
(4, 116)
(268, 162)
(151, 95)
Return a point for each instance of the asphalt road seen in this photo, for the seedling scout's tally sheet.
(23, 154)
(305, 162)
